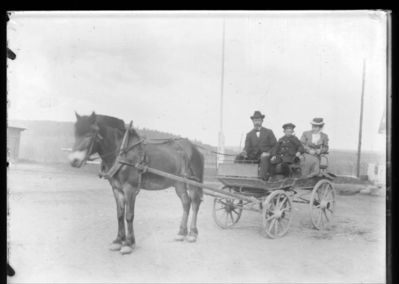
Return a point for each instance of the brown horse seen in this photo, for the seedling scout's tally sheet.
(105, 135)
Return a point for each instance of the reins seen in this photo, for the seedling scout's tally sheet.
(162, 141)
(166, 140)
(214, 152)
(123, 151)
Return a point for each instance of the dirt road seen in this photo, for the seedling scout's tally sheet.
(62, 220)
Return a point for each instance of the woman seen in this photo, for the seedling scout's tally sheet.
(315, 143)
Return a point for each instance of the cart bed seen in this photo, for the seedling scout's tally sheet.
(245, 176)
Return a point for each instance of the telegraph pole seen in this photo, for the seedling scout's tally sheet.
(359, 146)
(220, 158)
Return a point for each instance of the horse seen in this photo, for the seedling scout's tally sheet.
(105, 135)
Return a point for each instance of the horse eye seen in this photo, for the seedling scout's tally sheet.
(80, 132)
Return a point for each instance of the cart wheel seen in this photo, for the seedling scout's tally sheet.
(277, 214)
(225, 211)
(322, 204)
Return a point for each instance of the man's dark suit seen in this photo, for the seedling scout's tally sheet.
(255, 146)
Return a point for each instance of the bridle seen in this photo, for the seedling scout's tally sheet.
(95, 137)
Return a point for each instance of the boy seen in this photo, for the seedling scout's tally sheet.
(287, 151)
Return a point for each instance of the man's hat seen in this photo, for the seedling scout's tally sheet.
(289, 125)
(318, 121)
(258, 114)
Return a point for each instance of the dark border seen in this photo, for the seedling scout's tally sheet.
(392, 154)
(392, 120)
(3, 150)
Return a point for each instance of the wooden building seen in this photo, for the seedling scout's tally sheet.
(13, 142)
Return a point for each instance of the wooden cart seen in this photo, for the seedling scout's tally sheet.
(273, 199)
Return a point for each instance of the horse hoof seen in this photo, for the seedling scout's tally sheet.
(115, 246)
(191, 239)
(126, 250)
(179, 238)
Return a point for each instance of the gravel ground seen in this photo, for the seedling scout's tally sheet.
(61, 221)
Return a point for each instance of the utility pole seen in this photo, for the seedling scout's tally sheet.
(359, 146)
(220, 158)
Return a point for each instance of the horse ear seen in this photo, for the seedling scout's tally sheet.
(92, 117)
(77, 115)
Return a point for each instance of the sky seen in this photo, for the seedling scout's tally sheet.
(163, 71)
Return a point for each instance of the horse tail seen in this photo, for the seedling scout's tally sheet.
(197, 163)
(197, 169)
(194, 162)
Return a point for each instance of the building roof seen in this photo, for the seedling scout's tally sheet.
(16, 128)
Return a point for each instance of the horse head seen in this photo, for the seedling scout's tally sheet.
(86, 136)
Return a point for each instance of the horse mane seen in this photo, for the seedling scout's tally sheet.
(109, 121)
(113, 122)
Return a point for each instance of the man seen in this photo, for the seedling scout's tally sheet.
(258, 143)
(287, 151)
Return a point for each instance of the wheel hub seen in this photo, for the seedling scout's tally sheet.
(324, 204)
(229, 207)
(278, 214)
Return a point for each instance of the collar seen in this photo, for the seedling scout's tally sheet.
(122, 153)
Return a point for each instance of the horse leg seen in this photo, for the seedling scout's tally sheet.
(120, 211)
(195, 194)
(130, 196)
(185, 200)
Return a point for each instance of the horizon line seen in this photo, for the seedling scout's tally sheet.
(226, 146)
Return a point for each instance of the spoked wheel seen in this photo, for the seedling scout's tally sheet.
(225, 211)
(277, 214)
(322, 204)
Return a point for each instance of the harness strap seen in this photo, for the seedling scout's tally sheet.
(141, 170)
(112, 171)
(96, 136)
(125, 138)
(124, 151)
(155, 141)
(116, 166)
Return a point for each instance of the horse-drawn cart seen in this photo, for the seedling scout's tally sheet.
(130, 163)
(273, 199)
(243, 190)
